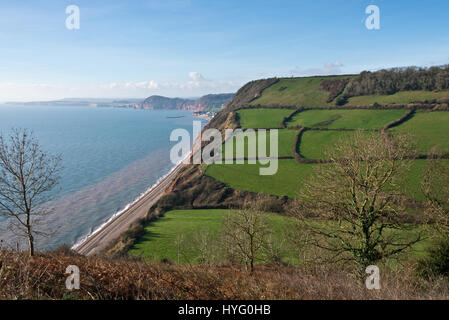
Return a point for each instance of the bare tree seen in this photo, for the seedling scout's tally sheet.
(351, 207)
(27, 174)
(435, 187)
(204, 244)
(274, 249)
(244, 235)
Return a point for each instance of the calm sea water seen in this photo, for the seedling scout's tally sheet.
(110, 157)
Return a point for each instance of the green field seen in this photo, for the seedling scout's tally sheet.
(306, 92)
(290, 176)
(299, 92)
(286, 140)
(315, 143)
(160, 238)
(286, 182)
(349, 119)
(430, 129)
(403, 97)
(262, 118)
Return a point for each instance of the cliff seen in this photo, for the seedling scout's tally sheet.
(205, 103)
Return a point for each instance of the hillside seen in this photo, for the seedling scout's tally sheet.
(311, 119)
(384, 87)
(210, 102)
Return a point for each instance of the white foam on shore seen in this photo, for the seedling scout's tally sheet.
(129, 205)
(142, 195)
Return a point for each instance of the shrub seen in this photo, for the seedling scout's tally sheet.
(437, 263)
(334, 86)
(341, 101)
(272, 204)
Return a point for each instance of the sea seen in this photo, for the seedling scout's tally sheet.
(110, 158)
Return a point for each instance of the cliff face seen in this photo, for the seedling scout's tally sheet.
(213, 101)
(159, 102)
(204, 103)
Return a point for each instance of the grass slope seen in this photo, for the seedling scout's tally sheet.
(315, 143)
(430, 129)
(297, 92)
(349, 119)
(306, 92)
(285, 182)
(403, 97)
(286, 139)
(160, 238)
(262, 118)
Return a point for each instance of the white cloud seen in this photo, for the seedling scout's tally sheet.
(143, 85)
(196, 85)
(195, 76)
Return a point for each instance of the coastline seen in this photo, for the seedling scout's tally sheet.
(118, 223)
(109, 231)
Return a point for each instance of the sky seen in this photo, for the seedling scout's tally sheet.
(188, 48)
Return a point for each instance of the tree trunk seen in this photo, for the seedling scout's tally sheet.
(30, 242)
(252, 266)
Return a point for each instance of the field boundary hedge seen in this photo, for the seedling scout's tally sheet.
(401, 120)
(264, 158)
(289, 118)
(297, 151)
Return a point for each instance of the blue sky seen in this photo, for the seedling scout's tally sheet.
(193, 47)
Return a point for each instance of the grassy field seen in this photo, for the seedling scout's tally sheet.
(306, 92)
(315, 143)
(262, 118)
(412, 180)
(297, 92)
(403, 97)
(286, 182)
(349, 119)
(160, 238)
(429, 129)
(290, 176)
(286, 139)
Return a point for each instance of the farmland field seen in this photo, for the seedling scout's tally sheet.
(286, 140)
(429, 129)
(173, 236)
(403, 97)
(315, 143)
(262, 118)
(348, 119)
(299, 92)
(306, 92)
(286, 182)
(160, 238)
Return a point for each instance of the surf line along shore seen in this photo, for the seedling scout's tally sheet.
(101, 238)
